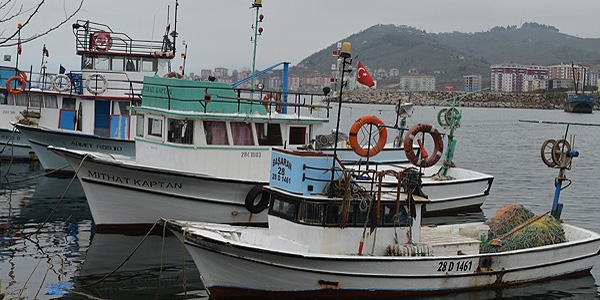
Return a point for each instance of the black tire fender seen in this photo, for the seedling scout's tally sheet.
(256, 207)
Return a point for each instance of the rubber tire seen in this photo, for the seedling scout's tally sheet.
(261, 205)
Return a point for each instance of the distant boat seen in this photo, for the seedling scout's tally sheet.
(579, 102)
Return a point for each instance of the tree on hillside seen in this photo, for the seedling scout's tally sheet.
(15, 17)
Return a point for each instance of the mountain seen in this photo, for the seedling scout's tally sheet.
(449, 56)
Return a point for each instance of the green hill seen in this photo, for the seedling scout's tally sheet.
(449, 56)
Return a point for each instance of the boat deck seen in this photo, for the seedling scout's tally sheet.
(454, 239)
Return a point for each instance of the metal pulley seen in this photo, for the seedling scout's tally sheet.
(557, 154)
(448, 117)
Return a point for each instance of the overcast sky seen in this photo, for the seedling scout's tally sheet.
(218, 32)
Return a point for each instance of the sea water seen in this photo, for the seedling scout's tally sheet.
(49, 246)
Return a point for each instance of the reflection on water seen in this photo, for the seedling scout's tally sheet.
(47, 234)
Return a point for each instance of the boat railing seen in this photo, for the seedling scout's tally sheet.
(97, 38)
(92, 83)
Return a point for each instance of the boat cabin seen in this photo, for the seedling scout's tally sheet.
(207, 127)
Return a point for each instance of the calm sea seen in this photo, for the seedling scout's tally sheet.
(48, 240)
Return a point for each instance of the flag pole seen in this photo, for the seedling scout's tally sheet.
(19, 49)
(43, 68)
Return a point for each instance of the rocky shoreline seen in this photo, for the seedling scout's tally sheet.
(548, 100)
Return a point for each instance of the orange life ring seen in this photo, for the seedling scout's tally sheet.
(101, 41)
(272, 97)
(353, 139)
(174, 75)
(425, 160)
(15, 90)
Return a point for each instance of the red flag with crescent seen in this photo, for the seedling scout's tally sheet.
(363, 77)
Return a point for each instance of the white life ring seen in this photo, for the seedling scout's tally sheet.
(96, 83)
(61, 83)
(45, 81)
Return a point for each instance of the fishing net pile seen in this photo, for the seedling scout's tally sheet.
(507, 233)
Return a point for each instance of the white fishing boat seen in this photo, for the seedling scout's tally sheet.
(84, 109)
(365, 241)
(202, 152)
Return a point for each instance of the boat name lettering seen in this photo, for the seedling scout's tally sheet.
(251, 154)
(155, 89)
(459, 266)
(134, 181)
(97, 146)
(9, 137)
(278, 161)
(9, 112)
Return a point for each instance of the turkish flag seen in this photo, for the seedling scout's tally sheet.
(363, 77)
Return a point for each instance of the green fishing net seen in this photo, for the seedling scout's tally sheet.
(507, 218)
(543, 231)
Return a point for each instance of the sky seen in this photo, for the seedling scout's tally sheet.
(218, 32)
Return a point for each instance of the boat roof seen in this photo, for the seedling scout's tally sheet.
(207, 100)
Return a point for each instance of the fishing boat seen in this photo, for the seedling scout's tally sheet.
(578, 101)
(84, 109)
(332, 236)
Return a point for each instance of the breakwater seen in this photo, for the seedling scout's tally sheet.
(547, 100)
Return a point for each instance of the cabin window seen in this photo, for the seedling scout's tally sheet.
(242, 133)
(181, 131)
(333, 215)
(21, 99)
(117, 63)
(101, 63)
(388, 213)
(35, 100)
(132, 65)
(120, 108)
(297, 135)
(155, 127)
(139, 125)
(68, 103)
(149, 65)
(269, 134)
(283, 208)
(3, 98)
(360, 214)
(310, 213)
(216, 133)
(50, 101)
(88, 63)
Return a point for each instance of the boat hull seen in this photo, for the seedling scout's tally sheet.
(580, 104)
(12, 146)
(124, 195)
(229, 269)
(41, 138)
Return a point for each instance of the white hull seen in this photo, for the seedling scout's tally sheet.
(122, 194)
(41, 138)
(12, 146)
(229, 267)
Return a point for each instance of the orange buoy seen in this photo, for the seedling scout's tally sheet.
(353, 139)
(16, 90)
(425, 160)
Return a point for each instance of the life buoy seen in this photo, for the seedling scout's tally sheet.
(96, 83)
(44, 81)
(272, 97)
(174, 75)
(17, 89)
(61, 83)
(424, 160)
(251, 204)
(101, 41)
(23, 74)
(353, 136)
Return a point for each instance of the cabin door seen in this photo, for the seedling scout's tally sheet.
(101, 118)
